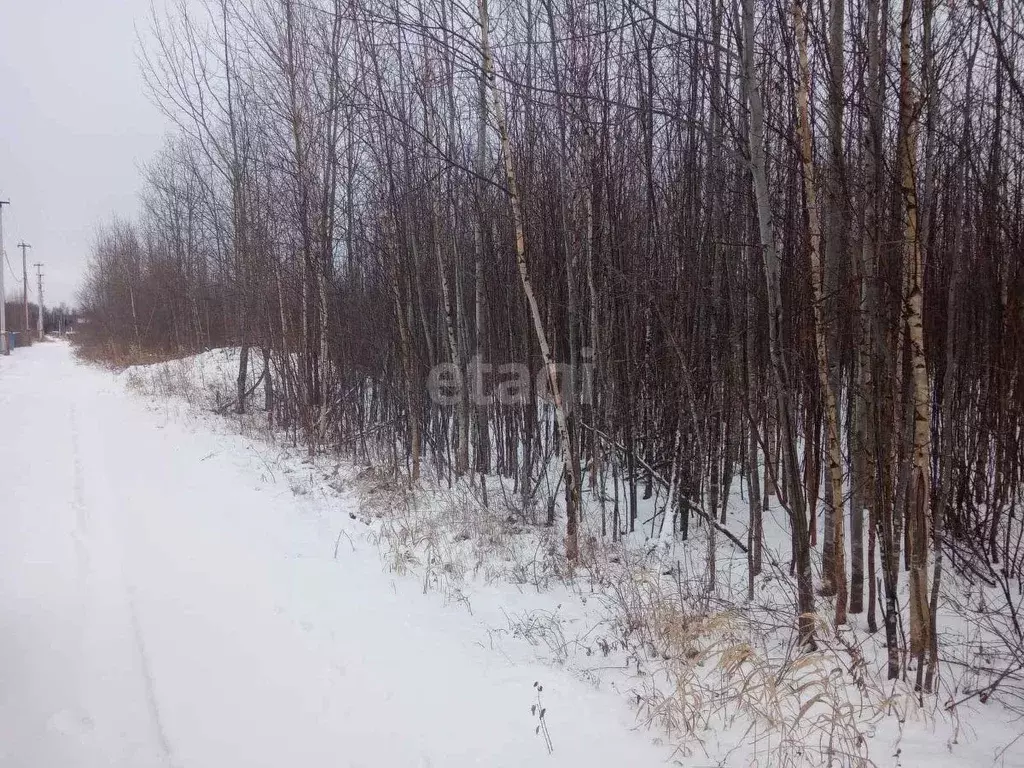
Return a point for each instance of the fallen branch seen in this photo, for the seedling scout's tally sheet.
(220, 410)
(662, 481)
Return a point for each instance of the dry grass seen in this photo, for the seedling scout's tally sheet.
(449, 537)
(706, 669)
(108, 354)
(701, 666)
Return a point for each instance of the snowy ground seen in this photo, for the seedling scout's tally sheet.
(174, 592)
(167, 600)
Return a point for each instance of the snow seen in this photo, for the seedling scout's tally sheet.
(177, 590)
(616, 622)
(166, 599)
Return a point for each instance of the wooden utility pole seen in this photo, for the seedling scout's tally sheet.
(39, 314)
(3, 294)
(24, 273)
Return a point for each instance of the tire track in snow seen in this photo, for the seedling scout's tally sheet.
(83, 523)
(81, 530)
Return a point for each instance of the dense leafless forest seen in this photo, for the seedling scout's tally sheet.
(763, 245)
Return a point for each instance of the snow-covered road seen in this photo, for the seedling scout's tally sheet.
(164, 602)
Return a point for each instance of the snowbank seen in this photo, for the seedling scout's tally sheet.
(710, 673)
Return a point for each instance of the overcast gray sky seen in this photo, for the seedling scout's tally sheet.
(75, 124)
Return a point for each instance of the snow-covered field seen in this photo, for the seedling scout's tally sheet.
(177, 590)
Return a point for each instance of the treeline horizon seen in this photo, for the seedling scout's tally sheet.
(53, 317)
(787, 236)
